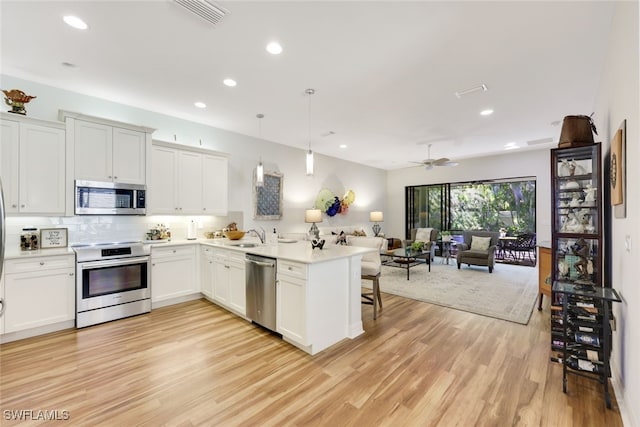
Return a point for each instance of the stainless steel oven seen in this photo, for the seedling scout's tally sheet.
(112, 281)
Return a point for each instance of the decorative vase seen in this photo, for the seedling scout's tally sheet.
(16, 99)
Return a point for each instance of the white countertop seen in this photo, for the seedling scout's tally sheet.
(16, 253)
(300, 251)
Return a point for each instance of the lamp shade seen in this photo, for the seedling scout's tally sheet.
(376, 216)
(313, 215)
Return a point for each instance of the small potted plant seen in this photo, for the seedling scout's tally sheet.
(445, 236)
(417, 246)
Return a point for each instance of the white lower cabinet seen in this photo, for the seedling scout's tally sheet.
(38, 291)
(173, 272)
(229, 280)
(207, 271)
(291, 319)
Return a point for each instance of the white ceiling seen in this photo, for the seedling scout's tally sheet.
(385, 73)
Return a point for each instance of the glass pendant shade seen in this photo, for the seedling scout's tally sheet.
(309, 163)
(259, 175)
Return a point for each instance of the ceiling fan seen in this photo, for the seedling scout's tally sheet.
(429, 163)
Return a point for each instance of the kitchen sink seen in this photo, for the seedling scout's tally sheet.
(244, 245)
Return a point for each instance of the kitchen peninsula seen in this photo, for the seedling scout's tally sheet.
(318, 291)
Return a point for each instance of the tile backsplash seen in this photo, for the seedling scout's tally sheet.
(93, 229)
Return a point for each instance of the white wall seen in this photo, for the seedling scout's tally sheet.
(618, 100)
(299, 192)
(512, 164)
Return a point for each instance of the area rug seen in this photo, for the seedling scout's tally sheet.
(509, 293)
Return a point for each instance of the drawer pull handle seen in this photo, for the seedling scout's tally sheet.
(70, 274)
(41, 262)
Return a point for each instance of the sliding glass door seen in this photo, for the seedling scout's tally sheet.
(507, 205)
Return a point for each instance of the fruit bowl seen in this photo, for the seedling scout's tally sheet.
(234, 235)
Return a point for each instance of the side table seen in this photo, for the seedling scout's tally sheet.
(445, 249)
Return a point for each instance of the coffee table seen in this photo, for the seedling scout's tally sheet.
(406, 258)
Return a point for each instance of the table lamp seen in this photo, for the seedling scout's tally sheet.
(312, 216)
(376, 217)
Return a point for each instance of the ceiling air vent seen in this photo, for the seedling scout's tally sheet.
(204, 9)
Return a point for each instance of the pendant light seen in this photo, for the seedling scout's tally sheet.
(309, 152)
(260, 168)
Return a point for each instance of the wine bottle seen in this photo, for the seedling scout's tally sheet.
(580, 364)
(588, 339)
(583, 353)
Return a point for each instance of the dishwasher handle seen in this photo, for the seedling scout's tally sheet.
(260, 263)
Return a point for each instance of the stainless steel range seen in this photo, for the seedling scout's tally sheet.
(112, 281)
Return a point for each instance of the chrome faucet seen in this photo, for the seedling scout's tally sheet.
(261, 235)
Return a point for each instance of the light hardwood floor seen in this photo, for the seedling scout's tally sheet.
(195, 364)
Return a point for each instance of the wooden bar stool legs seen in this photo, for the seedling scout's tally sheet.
(373, 298)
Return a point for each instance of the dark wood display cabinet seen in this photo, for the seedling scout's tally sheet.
(580, 304)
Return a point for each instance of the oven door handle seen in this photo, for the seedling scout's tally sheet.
(113, 262)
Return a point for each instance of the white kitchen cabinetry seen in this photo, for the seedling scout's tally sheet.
(33, 166)
(39, 291)
(291, 302)
(215, 184)
(173, 274)
(207, 271)
(187, 180)
(229, 280)
(313, 302)
(104, 150)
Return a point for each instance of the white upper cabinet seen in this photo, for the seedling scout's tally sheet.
(33, 166)
(215, 188)
(187, 180)
(105, 150)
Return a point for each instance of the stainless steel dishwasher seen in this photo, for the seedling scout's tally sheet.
(261, 290)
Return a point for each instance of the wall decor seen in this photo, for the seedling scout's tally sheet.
(267, 199)
(53, 238)
(618, 171)
(331, 204)
(15, 98)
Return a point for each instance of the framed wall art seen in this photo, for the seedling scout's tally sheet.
(267, 199)
(53, 238)
(618, 171)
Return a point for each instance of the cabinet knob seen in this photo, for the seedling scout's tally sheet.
(153, 264)
(70, 274)
(174, 251)
(14, 206)
(41, 262)
(22, 206)
(226, 266)
(109, 177)
(115, 177)
(289, 268)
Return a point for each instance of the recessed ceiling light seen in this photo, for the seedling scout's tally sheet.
(75, 22)
(69, 65)
(343, 145)
(229, 82)
(200, 104)
(274, 48)
(487, 112)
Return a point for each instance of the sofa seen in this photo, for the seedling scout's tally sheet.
(479, 251)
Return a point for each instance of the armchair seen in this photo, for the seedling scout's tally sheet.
(419, 234)
(481, 252)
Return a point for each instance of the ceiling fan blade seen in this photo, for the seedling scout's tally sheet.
(440, 161)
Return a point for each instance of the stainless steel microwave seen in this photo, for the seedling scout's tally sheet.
(109, 198)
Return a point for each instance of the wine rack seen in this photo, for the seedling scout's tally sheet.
(581, 334)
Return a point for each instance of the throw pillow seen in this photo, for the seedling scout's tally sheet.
(423, 234)
(480, 243)
(359, 233)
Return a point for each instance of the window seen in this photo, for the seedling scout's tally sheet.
(507, 204)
